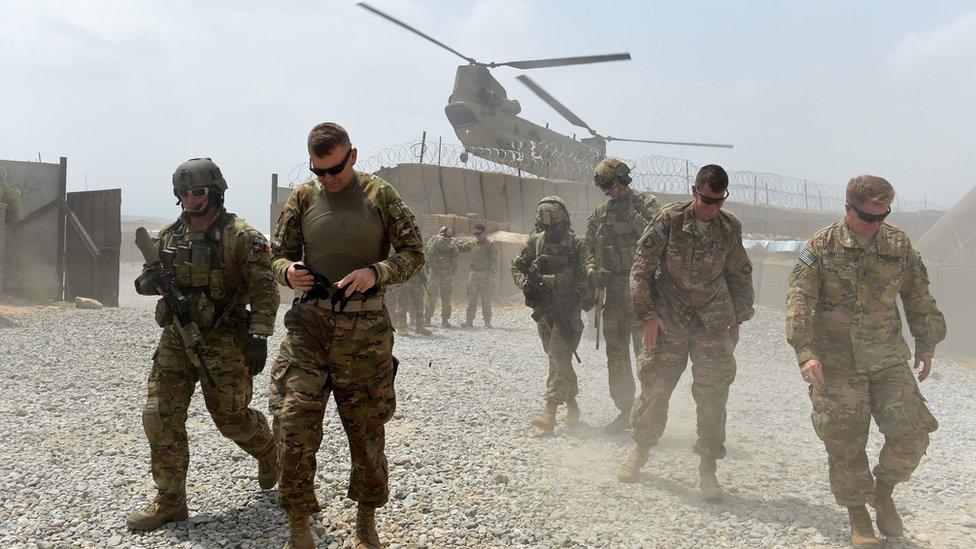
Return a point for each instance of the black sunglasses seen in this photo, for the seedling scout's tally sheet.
(869, 218)
(334, 170)
(709, 200)
(198, 193)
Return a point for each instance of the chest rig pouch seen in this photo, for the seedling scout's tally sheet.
(556, 265)
(619, 237)
(196, 259)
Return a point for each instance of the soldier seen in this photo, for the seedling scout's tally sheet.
(339, 225)
(221, 264)
(842, 320)
(481, 279)
(552, 272)
(692, 288)
(442, 252)
(611, 233)
(412, 293)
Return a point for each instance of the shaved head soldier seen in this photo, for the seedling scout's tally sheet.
(335, 234)
(843, 322)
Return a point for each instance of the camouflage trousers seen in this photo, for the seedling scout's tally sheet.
(561, 383)
(841, 416)
(660, 368)
(349, 355)
(441, 286)
(407, 298)
(481, 286)
(621, 330)
(171, 384)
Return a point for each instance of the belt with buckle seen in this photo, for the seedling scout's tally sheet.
(375, 303)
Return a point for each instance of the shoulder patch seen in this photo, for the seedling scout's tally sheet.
(259, 244)
(809, 258)
(661, 229)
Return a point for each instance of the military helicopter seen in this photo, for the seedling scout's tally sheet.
(486, 121)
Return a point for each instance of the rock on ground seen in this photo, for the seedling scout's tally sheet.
(466, 470)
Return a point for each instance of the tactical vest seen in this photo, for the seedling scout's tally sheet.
(557, 263)
(204, 267)
(617, 238)
(481, 256)
(443, 252)
(342, 232)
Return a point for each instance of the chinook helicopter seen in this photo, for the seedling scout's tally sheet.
(486, 121)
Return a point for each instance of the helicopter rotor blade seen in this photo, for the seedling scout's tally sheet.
(563, 61)
(554, 103)
(396, 21)
(685, 143)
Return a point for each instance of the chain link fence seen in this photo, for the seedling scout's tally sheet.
(657, 173)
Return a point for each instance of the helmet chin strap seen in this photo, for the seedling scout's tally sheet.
(201, 212)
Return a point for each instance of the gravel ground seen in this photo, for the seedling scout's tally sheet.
(466, 470)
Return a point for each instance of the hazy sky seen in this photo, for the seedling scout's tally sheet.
(824, 90)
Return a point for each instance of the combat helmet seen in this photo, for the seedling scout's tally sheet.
(198, 173)
(611, 170)
(551, 213)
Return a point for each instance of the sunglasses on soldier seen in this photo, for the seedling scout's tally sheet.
(334, 170)
(869, 218)
(196, 193)
(708, 199)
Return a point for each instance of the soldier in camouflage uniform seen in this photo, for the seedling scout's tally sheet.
(692, 288)
(481, 279)
(411, 300)
(611, 233)
(560, 261)
(442, 253)
(842, 320)
(221, 264)
(341, 225)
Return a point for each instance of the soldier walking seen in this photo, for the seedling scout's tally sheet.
(442, 253)
(552, 273)
(842, 320)
(692, 289)
(481, 279)
(222, 265)
(339, 225)
(611, 233)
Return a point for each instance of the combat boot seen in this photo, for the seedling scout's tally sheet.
(268, 472)
(467, 324)
(423, 331)
(711, 490)
(572, 413)
(546, 420)
(630, 468)
(884, 508)
(862, 533)
(487, 323)
(366, 535)
(156, 514)
(299, 534)
(445, 324)
(619, 424)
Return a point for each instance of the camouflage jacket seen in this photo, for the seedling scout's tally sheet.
(232, 271)
(689, 281)
(399, 229)
(613, 228)
(561, 265)
(484, 257)
(840, 307)
(442, 253)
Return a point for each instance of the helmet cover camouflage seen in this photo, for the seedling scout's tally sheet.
(609, 171)
(551, 212)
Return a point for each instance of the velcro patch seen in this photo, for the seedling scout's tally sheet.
(259, 244)
(661, 229)
(808, 257)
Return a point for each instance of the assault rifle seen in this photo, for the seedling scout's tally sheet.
(321, 290)
(546, 304)
(179, 304)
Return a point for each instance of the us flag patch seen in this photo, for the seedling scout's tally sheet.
(808, 257)
(661, 229)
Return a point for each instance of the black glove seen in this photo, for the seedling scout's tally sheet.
(531, 293)
(600, 277)
(256, 353)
